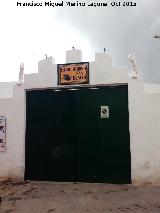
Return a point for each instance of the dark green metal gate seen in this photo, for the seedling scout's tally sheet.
(67, 140)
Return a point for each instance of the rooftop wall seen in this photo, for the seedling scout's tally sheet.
(101, 71)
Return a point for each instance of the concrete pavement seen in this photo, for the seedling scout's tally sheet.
(45, 197)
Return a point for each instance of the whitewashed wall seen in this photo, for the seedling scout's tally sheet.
(144, 105)
(13, 108)
(6, 89)
(145, 131)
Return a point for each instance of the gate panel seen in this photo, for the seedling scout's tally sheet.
(50, 141)
(103, 143)
(114, 136)
(68, 140)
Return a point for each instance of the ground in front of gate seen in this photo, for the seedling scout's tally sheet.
(45, 197)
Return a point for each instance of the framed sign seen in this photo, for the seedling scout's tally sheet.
(2, 134)
(73, 73)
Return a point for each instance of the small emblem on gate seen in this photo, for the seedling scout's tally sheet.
(104, 113)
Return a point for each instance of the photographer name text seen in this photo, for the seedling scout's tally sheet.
(76, 4)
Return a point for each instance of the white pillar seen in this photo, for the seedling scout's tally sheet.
(73, 56)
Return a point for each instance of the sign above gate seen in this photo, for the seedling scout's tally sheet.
(73, 73)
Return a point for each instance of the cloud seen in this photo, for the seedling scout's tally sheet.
(121, 30)
(28, 33)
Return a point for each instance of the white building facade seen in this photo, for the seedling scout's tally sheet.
(144, 116)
